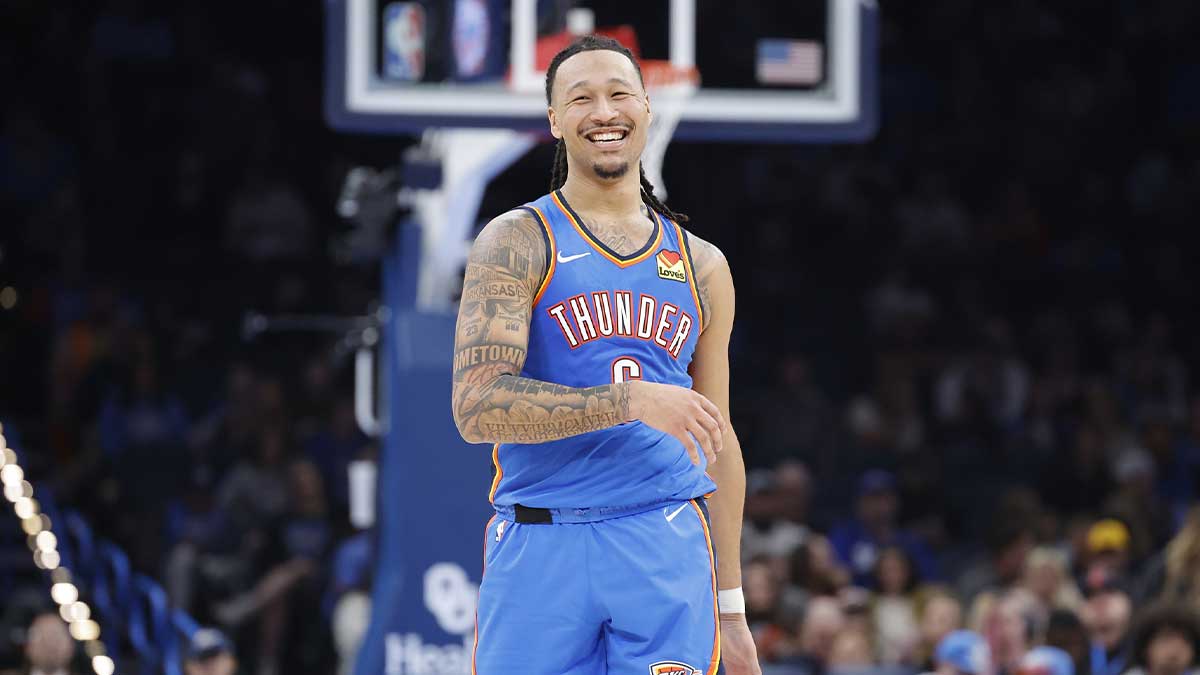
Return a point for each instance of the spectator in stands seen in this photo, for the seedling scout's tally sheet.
(1009, 541)
(1137, 504)
(287, 589)
(1106, 613)
(1108, 548)
(893, 612)
(1174, 574)
(764, 611)
(776, 516)
(230, 429)
(209, 652)
(940, 614)
(1065, 631)
(988, 390)
(49, 648)
(963, 652)
(1166, 641)
(1046, 661)
(852, 651)
(859, 541)
(1007, 630)
(1047, 577)
(816, 568)
(823, 622)
(254, 492)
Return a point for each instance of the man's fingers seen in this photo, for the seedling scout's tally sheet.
(715, 431)
(712, 409)
(690, 445)
(703, 439)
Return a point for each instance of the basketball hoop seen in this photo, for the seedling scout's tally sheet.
(670, 87)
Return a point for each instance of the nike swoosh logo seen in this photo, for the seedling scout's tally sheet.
(676, 512)
(569, 258)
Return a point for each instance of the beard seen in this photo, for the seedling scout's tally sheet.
(609, 173)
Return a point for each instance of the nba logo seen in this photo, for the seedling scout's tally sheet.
(404, 41)
(470, 37)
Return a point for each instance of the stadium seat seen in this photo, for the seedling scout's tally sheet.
(150, 628)
(82, 545)
(112, 590)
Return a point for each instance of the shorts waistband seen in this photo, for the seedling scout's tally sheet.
(533, 515)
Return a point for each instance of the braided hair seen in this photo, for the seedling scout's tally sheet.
(558, 175)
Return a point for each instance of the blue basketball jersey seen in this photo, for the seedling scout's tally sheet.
(600, 318)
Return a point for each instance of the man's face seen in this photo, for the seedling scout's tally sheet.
(221, 664)
(942, 615)
(878, 508)
(1169, 653)
(1005, 632)
(1107, 617)
(601, 111)
(49, 646)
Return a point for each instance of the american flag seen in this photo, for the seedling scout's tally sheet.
(794, 62)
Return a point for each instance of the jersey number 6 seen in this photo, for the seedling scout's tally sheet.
(626, 368)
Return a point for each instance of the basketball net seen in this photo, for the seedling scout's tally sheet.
(670, 88)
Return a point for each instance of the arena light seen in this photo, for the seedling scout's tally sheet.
(11, 473)
(44, 545)
(32, 525)
(79, 611)
(85, 630)
(103, 665)
(47, 560)
(46, 541)
(64, 593)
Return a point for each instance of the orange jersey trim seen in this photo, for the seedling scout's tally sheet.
(599, 247)
(712, 564)
(499, 472)
(475, 649)
(685, 249)
(553, 254)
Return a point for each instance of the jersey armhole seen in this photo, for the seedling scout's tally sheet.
(692, 280)
(548, 239)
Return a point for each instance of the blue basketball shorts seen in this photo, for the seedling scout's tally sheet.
(632, 595)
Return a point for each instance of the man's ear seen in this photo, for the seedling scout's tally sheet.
(554, 130)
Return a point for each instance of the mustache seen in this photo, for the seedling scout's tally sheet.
(623, 126)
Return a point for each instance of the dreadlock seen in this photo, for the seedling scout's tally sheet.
(558, 174)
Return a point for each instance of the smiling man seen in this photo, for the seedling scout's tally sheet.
(592, 352)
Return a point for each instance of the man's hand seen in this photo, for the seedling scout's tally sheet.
(738, 653)
(679, 411)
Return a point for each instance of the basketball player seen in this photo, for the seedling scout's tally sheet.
(592, 350)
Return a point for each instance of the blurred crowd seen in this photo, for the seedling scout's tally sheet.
(962, 367)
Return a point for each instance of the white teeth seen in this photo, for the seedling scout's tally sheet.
(607, 136)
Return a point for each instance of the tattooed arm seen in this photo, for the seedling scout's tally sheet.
(493, 404)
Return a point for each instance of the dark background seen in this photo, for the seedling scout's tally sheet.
(994, 300)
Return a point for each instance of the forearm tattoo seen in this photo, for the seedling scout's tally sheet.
(491, 402)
